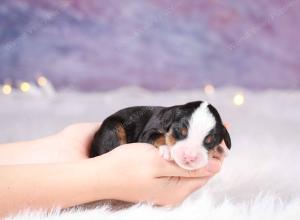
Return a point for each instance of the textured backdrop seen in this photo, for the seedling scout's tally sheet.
(99, 45)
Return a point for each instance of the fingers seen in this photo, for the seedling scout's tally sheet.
(172, 169)
(176, 189)
(183, 188)
(89, 127)
(82, 128)
(192, 184)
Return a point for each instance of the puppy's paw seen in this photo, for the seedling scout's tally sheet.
(165, 152)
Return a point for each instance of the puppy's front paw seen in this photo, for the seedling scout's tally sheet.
(164, 152)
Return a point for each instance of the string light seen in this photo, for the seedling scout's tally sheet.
(209, 89)
(42, 81)
(6, 89)
(25, 87)
(239, 99)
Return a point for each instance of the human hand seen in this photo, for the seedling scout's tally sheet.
(74, 141)
(136, 173)
(133, 172)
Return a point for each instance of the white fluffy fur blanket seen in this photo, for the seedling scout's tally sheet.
(260, 178)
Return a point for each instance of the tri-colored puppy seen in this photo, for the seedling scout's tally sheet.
(187, 134)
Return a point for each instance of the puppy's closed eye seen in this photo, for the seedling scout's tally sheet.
(180, 132)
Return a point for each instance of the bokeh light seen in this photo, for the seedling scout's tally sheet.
(226, 125)
(239, 99)
(42, 81)
(25, 86)
(7, 89)
(209, 89)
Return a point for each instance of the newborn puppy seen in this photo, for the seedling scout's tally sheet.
(187, 134)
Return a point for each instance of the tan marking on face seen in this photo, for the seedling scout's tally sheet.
(161, 140)
(121, 134)
(184, 131)
(217, 152)
(170, 139)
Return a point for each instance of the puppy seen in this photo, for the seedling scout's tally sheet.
(187, 134)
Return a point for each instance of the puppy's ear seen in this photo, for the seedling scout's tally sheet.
(226, 137)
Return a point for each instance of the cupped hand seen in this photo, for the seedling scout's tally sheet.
(132, 172)
(73, 142)
(137, 173)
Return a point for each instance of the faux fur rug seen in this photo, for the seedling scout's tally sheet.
(260, 178)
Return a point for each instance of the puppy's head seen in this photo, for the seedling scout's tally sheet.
(194, 130)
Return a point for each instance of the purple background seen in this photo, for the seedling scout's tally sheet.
(156, 44)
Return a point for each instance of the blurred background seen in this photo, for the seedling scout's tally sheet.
(68, 61)
(97, 45)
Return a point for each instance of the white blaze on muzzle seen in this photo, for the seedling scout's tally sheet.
(190, 153)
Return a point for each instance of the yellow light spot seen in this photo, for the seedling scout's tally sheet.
(42, 81)
(209, 89)
(239, 99)
(25, 86)
(6, 89)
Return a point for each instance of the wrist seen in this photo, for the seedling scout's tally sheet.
(42, 150)
(111, 179)
(99, 179)
(50, 185)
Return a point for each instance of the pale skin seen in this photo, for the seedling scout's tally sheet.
(56, 172)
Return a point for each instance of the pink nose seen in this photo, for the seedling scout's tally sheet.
(190, 157)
